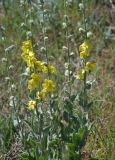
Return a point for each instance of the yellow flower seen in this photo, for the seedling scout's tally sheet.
(85, 49)
(89, 66)
(28, 54)
(44, 69)
(32, 84)
(48, 85)
(38, 65)
(27, 46)
(36, 77)
(84, 54)
(31, 105)
(51, 69)
(41, 95)
(30, 59)
(80, 75)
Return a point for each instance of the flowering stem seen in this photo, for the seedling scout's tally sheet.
(47, 61)
(44, 42)
(85, 91)
(85, 75)
(84, 18)
(68, 48)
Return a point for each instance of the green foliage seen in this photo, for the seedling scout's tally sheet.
(8, 134)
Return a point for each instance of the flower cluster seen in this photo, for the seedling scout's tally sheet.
(37, 83)
(85, 49)
(88, 66)
(31, 105)
(28, 54)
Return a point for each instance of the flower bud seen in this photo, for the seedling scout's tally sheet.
(3, 38)
(81, 6)
(13, 87)
(66, 65)
(4, 60)
(45, 11)
(89, 34)
(81, 30)
(70, 37)
(11, 67)
(72, 53)
(45, 39)
(12, 101)
(64, 25)
(7, 79)
(29, 34)
(43, 49)
(9, 48)
(64, 48)
(66, 17)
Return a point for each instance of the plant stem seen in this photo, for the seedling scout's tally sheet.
(68, 48)
(44, 42)
(84, 62)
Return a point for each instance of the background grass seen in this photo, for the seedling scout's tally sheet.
(18, 22)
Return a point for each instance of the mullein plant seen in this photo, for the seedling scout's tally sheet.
(85, 55)
(82, 74)
(76, 126)
(62, 133)
(39, 87)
